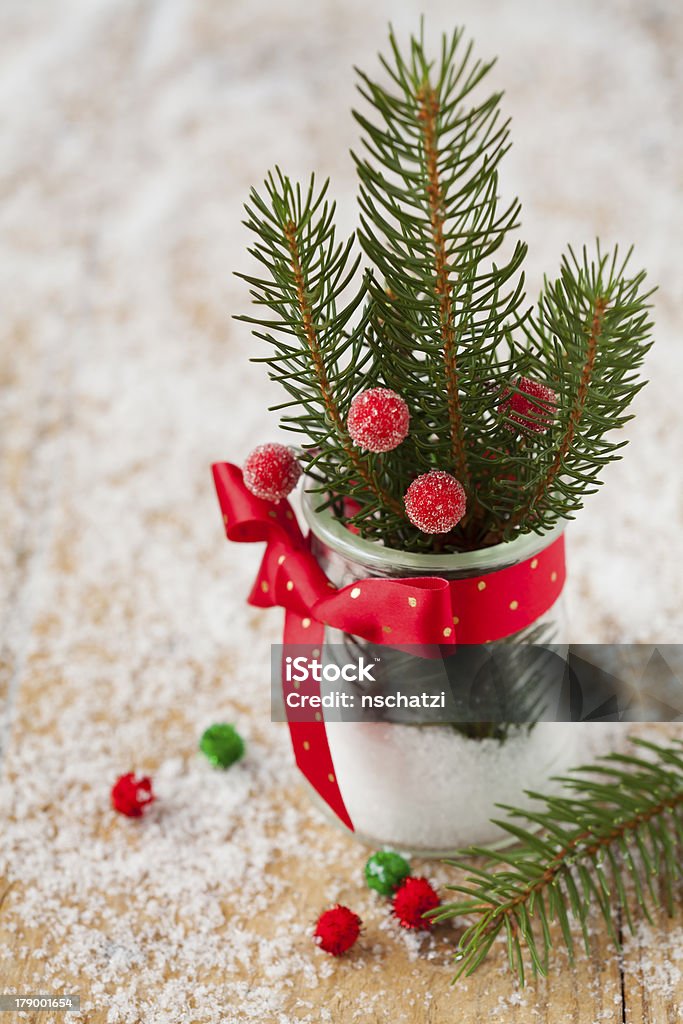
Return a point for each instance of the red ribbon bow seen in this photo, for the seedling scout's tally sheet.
(423, 610)
(410, 611)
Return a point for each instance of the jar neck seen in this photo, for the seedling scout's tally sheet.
(346, 557)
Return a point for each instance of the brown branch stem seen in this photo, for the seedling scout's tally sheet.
(590, 850)
(574, 416)
(331, 406)
(429, 109)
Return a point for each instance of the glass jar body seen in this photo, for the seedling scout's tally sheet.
(430, 789)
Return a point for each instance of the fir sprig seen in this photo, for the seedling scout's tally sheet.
(431, 223)
(612, 838)
(317, 354)
(587, 340)
(439, 315)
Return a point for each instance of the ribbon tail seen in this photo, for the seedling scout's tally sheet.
(309, 739)
(247, 518)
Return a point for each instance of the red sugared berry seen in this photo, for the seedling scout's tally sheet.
(435, 502)
(130, 795)
(378, 420)
(337, 930)
(415, 897)
(531, 405)
(271, 471)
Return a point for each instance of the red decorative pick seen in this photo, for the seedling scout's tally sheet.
(378, 420)
(532, 406)
(131, 795)
(271, 471)
(414, 898)
(337, 930)
(435, 502)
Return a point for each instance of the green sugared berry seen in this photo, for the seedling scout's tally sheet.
(385, 871)
(222, 744)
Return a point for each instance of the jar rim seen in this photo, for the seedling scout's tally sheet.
(375, 555)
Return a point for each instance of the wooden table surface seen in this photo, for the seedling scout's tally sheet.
(131, 133)
(384, 979)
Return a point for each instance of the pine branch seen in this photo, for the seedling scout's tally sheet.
(323, 364)
(595, 841)
(575, 415)
(360, 465)
(428, 104)
(432, 225)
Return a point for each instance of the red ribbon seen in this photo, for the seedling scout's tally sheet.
(421, 610)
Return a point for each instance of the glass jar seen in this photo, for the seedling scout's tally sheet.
(430, 789)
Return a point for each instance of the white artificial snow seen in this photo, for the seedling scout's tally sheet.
(131, 134)
(429, 788)
(664, 975)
